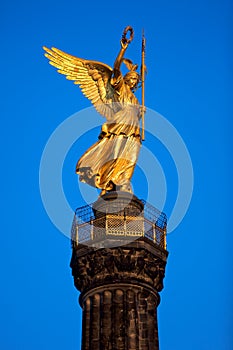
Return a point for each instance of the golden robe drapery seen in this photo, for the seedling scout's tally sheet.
(110, 162)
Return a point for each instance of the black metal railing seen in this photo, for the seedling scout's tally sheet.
(90, 226)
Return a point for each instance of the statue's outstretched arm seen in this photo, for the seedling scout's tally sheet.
(124, 44)
(118, 61)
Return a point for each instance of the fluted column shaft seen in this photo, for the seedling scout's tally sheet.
(121, 317)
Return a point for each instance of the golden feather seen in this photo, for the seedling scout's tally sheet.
(93, 77)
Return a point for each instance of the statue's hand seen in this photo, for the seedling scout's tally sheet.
(142, 110)
(124, 45)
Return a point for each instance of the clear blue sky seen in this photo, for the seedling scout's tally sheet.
(189, 59)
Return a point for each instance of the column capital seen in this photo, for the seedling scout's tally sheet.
(141, 262)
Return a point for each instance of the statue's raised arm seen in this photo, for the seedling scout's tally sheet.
(110, 162)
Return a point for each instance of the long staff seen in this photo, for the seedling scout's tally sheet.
(143, 84)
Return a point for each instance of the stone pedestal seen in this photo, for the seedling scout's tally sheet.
(119, 288)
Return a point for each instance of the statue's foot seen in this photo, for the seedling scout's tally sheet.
(103, 192)
(112, 188)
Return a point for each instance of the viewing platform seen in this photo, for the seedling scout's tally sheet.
(118, 218)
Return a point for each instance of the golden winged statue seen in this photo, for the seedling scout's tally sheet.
(110, 162)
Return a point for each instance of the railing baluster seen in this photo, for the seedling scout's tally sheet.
(119, 222)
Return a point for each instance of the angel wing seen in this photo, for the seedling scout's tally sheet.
(93, 78)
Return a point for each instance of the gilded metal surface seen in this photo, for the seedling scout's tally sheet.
(110, 162)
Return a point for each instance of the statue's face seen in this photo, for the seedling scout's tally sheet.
(132, 81)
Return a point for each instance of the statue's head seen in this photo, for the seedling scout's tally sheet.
(132, 79)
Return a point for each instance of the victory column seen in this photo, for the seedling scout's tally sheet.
(118, 242)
